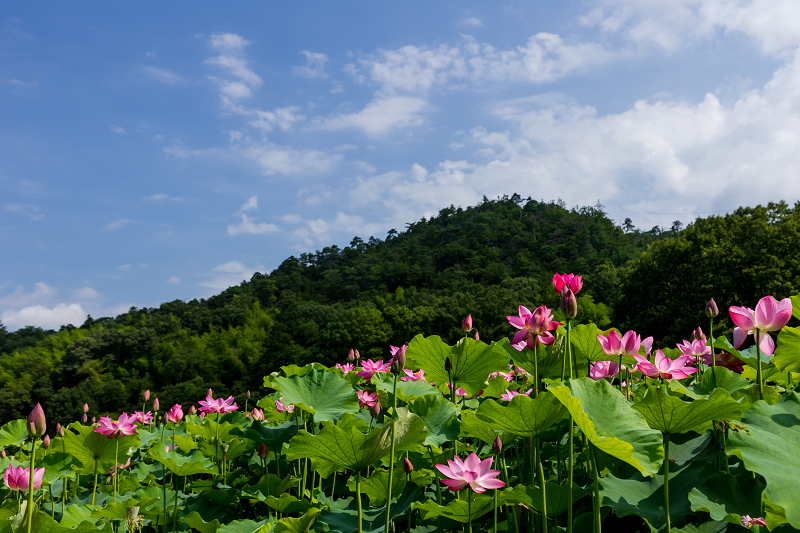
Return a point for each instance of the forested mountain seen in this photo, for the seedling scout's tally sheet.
(483, 260)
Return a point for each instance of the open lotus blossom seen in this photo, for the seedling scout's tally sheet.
(509, 394)
(369, 368)
(471, 471)
(211, 405)
(628, 344)
(175, 414)
(114, 428)
(367, 399)
(533, 327)
(508, 376)
(283, 408)
(696, 348)
(120, 467)
(750, 522)
(18, 478)
(345, 368)
(665, 367)
(770, 315)
(410, 375)
(648, 345)
(603, 370)
(575, 283)
(142, 418)
(725, 360)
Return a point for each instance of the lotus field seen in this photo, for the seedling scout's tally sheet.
(559, 428)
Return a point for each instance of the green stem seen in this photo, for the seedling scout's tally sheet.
(536, 368)
(358, 497)
(495, 506)
(175, 513)
(758, 370)
(514, 510)
(391, 459)
(619, 373)
(94, 486)
(469, 509)
(164, 483)
(543, 483)
(596, 506)
(216, 441)
(571, 472)
(438, 485)
(711, 336)
(666, 480)
(116, 462)
(30, 486)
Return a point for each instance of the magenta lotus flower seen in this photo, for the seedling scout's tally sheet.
(664, 367)
(534, 328)
(725, 360)
(575, 283)
(769, 315)
(211, 405)
(410, 375)
(143, 418)
(175, 414)
(283, 408)
(345, 368)
(628, 344)
(18, 478)
(258, 414)
(398, 360)
(750, 522)
(369, 368)
(604, 370)
(471, 472)
(367, 399)
(114, 428)
(696, 348)
(509, 394)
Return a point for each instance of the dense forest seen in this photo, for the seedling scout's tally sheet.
(484, 260)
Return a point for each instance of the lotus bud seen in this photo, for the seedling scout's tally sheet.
(46, 442)
(58, 428)
(399, 360)
(193, 410)
(497, 445)
(263, 451)
(698, 335)
(258, 414)
(146, 395)
(569, 305)
(711, 308)
(375, 410)
(248, 395)
(407, 466)
(351, 356)
(467, 324)
(165, 418)
(3, 454)
(155, 404)
(94, 420)
(86, 408)
(84, 418)
(61, 431)
(476, 336)
(448, 365)
(37, 423)
(210, 392)
(358, 355)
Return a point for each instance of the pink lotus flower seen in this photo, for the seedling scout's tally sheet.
(648, 345)
(725, 360)
(695, 349)
(604, 370)
(175, 414)
(473, 472)
(258, 414)
(18, 478)
(370, 368)
(664, 367)
(574, 282)
(345, 368)
(413, 376)
(210, 405)
(509, 394)
(508, 376)
(769, 315)
(533, 327)
(750, 522)
(283, 408)
(120, 467)
(628, 344)
(113, 429)
(467, 324)
(143, 418)
(366, 399)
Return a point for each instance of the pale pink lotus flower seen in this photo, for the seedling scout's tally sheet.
(664, 367)
(471, 472)
(113, 429)
(508, 376)
(520, 371)
(258, 414)
(534, 328)
(175, 414)
(648, 345)
(366, 399)
(604, 370)
(120, 467)
(575, 283)
(369, 368)
(460, 392)
(615, 345)
(410, 375)
(283, 408)
(725, 360)
(509, 394)
(142, 418)
(211, 405)
(170, 448)
(345, 368)
(18, 478)
(695, 349)
(769, 315)
(750, 522)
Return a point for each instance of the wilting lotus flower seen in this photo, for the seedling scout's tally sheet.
(283, 409)
(347, 367)
(628, 344)
(370, 368)
(413, 376)
(769, 315)
(574, 282)
(211, 405)
(509, 394)
(18, 478)
(604, 370)
(473, 472)
(750, 522)
(665, 367)
(366, 399)
(144, 418)
(467, 324)
(175, 414)
(695, 349)
(533, 327)
(726, 360)
(258, 414)
(113, 429)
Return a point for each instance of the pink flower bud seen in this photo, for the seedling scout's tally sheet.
(155, 404)
(399, 360)
(86, 408)
(358, 355)
(351, 355)
(61, 431)
(175, 414)
(263, 451)
(46, 442)
(448, 365)
(84, 418)
(210, 392)
(407, 466)
(248, 395)
(258, 414)
(146, 395)
(698, 335)
(94, 420)
(476, 336)
(569, 305)
(375, 410)
(193, 410)
(37, 423)
(497, 445)
(467, 324)
(3, 454)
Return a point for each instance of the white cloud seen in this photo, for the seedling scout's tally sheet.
(19, 297)
(322, 231)
(19, 83)
(381, 116)
(161, 197)
(30, 211)
(45, 317)
(160, 74)
(283, 117)
(124, 267)
(249, 225)
(174, 280)
(228, 274)
(274, 159)
(250, 204)
(119, 130)
(231, 62)
(85, 293)
(292, 219)
(117, 224)
(471, 22)
(229, 42)
(314, 67)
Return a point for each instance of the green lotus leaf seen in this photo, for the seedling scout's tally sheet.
(685, 448)
(726, 498)
(236, 448)
(13, 433)
(720, 378)
(375, 485)
(291, 525)
(57, 464)
(769, 444)
(457, 510)
(705, 527)
(75, 514)
(750, 396)
(350, 448)
(183, 465)
(439, 416)
(549, 359)
(669, 414)
(406, 390)
(272, 436)
(472, 426)
(241, 526)
(195, 521)
(586, 345)
(496, 387)
(611, 424)
(184, 442)
(644, 497)
(345, 520)
(557, 497)
(210, 429)
(787, 352)
(326, 395)
(94, 450)
(269, 485)
(523, 416)
(287, 504)
(472, 361)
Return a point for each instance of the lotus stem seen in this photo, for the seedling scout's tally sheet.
(536, 368)
(391, 457)
(513, 512)
(571, 472)
(495, 508)
(619, 373)
(544, 485)
(469, 509)
(595, 473)
(30, 486)
(116, 462)
(94, 486)
(438, 487)
(666, 480)
(216, 439)
(358, 497)
(175, 513)
(758, 370)
(164, 483)
(711, 337)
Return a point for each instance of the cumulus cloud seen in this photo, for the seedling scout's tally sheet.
(248, 224)
(160, 74)
(380, 117)
(471, 22)
(119, 130)
(227, 275)
(314, 67)
(174, 280)
(273, 159)
(45, 317)
(30, 211)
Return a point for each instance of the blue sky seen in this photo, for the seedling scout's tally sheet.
(152, 152)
